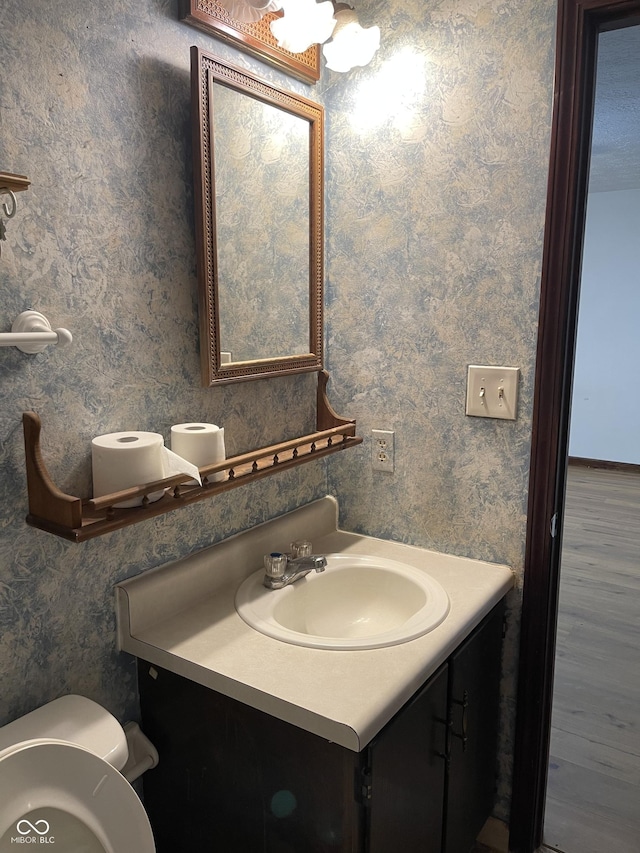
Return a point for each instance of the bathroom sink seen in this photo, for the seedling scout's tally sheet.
(355, 603)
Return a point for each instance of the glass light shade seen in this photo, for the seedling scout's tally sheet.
(249, 11)
(351, 44)
(305, 22)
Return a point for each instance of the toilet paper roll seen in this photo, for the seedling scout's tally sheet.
(202, 444)
(121, 460)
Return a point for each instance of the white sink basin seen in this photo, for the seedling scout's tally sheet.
(356, 603)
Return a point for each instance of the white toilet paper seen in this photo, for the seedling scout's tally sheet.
(121, 460)
(202, 444)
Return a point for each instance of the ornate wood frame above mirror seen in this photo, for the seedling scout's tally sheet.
(207, 73)
(256, 38)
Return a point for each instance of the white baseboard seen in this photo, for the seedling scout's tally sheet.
(495, 834)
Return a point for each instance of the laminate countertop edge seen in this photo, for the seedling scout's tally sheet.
(342, 696)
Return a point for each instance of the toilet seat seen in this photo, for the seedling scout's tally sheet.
(54, 774)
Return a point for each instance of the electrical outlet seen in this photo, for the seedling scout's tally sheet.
(382, 446)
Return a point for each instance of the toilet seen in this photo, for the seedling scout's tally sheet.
(60, 782)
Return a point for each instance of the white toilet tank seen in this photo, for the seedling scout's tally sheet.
(74, 719)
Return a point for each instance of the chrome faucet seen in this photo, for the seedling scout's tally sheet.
(284, 569)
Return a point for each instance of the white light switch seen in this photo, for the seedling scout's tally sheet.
(492, 392)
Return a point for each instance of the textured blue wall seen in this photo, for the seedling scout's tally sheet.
(95, 110)
(437, 161)
(437, 157)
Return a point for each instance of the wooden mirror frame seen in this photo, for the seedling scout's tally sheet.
(205, 70)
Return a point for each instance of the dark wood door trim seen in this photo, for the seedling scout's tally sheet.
(579, 22)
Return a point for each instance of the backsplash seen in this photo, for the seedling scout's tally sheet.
(435, 197)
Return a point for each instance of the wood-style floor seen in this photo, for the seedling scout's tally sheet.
(593, 796)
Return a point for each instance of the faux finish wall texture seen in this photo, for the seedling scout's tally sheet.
(437, 159)
(437, 166)
(95, 110)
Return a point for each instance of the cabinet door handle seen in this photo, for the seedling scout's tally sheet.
(464, 703)
(446, 755)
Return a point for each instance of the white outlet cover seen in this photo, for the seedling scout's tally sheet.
(382, 450)
(492, 392)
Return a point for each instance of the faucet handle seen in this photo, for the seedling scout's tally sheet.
(301, 548)
(275, 564)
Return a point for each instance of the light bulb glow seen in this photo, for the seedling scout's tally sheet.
(249, 11)
(351, 44)
(304, 23)
(392, 94)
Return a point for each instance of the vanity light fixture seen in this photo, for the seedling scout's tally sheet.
(307, 22)
(250, 11)
(351, 44)
(304, 23)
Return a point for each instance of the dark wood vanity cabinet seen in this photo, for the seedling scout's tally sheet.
(474, 710)
(406, 765)
(237, 780)
(233, 778)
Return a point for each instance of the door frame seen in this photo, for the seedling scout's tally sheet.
(578, 26)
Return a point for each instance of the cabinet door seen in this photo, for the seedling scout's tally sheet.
(407, 775)
(234, 779)
(474, 706)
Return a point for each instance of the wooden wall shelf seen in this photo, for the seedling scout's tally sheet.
(10, 184)
(14, 183)
(79, 519)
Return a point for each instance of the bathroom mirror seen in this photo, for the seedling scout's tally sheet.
(258, 167)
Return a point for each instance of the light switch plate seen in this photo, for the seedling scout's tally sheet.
(492, 392)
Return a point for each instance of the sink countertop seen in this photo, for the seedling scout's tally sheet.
(181, 616)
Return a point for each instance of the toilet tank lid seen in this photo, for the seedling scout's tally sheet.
(75, 719)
